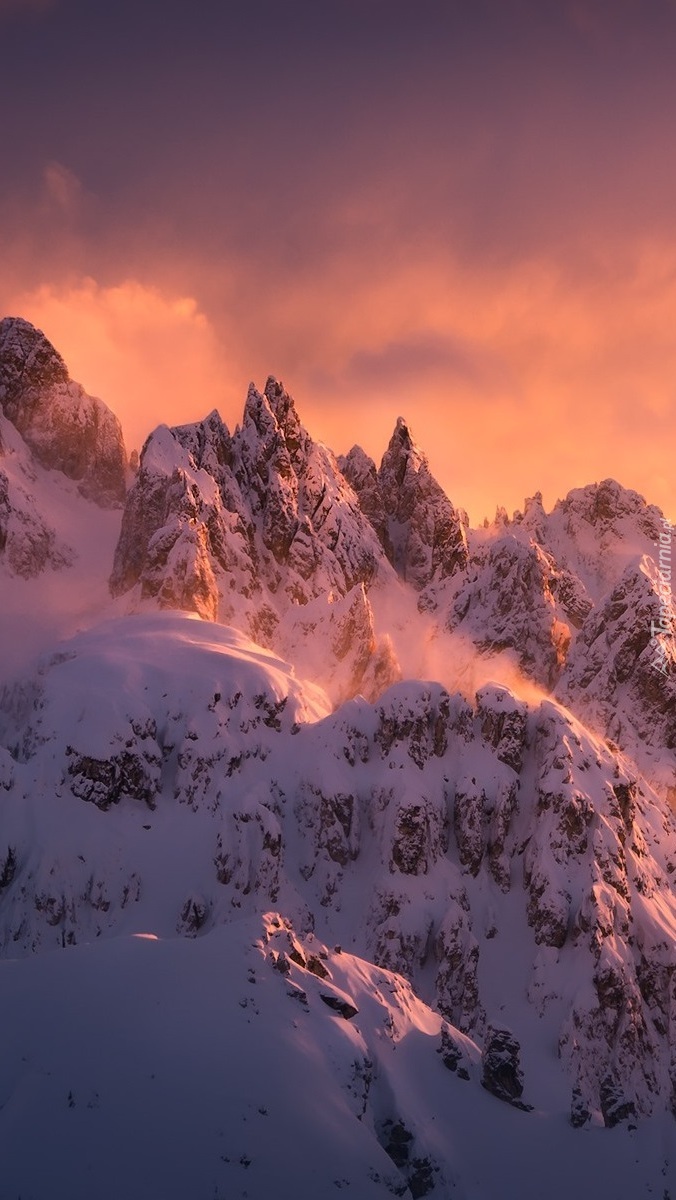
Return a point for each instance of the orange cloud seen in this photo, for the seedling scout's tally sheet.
(514, 377)
(152, 357)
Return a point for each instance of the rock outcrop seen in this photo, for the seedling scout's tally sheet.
(28, 544)
(502, 1075)
(621, 674)
(507, 601)
(66, 429)
(261, 529)
(421, 532)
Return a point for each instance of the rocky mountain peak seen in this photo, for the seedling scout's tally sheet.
(27, 360)
(66, 429)
(421, 532)
(362, 475)
(271, 419)
(402, 456)
(284, 409)
(533, 518)
(358, 464)
(261, 529)
(605, 504)
(208, 441)
(427, 533)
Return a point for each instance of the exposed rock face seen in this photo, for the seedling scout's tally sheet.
(614, 1105)
(46, 521)
(456, 951)
(419, 1173)
(593, 533)
(423, 535)
(308, 516)
(506, 601)
(133, 772)
(580, 1113)
(339, 1005)
(261, 529)
(28, 545)
(621, 675)
(427, 533)
(453, 1053)
(504, 723)
(66, 429)
(264, 499)
(605, 504)
(502, 1075)
(362, 475)
(565, 596)
(29, 363)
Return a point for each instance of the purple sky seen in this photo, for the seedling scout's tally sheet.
(461, 212)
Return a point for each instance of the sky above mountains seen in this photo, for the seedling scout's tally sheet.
(463, 213)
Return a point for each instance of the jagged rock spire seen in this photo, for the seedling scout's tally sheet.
(427, 533)
(421, 532)
(260, 528)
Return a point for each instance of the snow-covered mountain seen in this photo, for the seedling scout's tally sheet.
(276, 921)
(259, 529)
(421, 532)
(62, 480)
(66, 429)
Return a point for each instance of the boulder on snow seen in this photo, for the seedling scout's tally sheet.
(339, 1005)
(502, 1075)
(452, 1054)
(615, 1106)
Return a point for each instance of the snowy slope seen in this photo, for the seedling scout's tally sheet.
(611, 677)
(167, 775)
(55, 552)
(160, 1070)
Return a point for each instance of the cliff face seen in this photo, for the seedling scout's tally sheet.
(260, 529)
(29, 543)
(66, 429)
(421, 532)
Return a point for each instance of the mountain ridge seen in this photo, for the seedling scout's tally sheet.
(222, 752)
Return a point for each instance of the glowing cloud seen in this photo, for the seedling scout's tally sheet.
(152, 357)
(515, 377)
